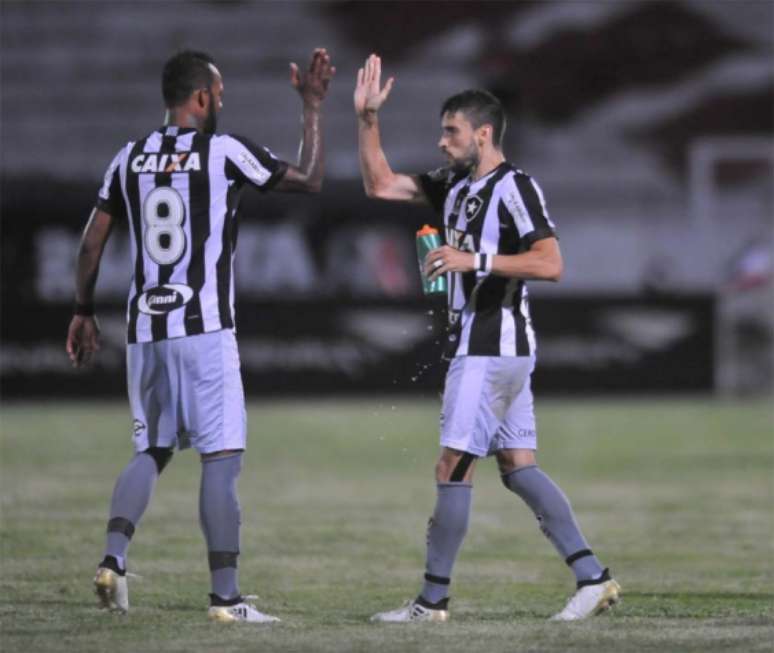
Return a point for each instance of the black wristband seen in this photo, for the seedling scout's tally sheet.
(483, 262)
(85, 310)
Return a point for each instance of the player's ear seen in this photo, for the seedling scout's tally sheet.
(202, 96)
(484, 134)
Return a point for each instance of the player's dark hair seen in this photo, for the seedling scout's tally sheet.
(480, 108)
(184, 73)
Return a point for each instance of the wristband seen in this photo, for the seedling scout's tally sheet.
(84, 310)
(476, 261)
(483, 262)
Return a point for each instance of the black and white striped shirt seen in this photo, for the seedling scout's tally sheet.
(502, 213)
(179, 190)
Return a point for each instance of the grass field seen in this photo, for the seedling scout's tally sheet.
(676, 496)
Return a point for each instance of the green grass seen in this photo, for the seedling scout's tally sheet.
(676, 496)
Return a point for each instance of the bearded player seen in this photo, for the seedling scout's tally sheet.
(498, 235)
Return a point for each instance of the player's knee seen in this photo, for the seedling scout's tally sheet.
(454, 469)
(223, 453)
(161, 456)
(509, 460)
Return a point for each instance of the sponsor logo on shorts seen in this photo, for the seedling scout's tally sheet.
(163, 299)
(138, 427)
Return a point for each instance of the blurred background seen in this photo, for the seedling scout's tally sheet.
(648, 125)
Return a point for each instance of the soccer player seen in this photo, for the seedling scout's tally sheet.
(498, 234)
(178, 189)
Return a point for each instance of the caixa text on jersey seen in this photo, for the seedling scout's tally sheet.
(179, 162)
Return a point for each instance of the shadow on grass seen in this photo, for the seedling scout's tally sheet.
(696, 605)
(677, 605)
(702, 596)
(32, 603)
(18, 605)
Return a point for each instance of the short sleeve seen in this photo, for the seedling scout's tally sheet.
(435, 185)
(525, 202)
(253, 164)
(110, 199)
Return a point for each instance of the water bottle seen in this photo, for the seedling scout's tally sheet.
(427, 239)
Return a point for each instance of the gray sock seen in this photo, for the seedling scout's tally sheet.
(220, 518)
(131, 496)
(445, 532)
(556, 518)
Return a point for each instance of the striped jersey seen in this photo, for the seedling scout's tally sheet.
(179, 189)
(502, 213)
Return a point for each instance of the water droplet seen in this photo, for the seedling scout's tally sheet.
(431, 312)
(413, 379)
(429, 327)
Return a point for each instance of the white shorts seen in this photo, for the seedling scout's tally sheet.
(187, 392)
(487, 404)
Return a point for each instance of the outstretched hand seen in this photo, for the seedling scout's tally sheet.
(312, 85)
(368, 94)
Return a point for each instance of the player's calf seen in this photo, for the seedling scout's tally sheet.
(555, 518)
(131, 496)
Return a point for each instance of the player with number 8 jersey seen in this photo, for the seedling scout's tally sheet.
(178, 190)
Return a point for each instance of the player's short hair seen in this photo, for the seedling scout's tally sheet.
(480, 108)
(184, 73)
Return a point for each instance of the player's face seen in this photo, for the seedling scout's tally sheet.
(215, 105)
(458, 141)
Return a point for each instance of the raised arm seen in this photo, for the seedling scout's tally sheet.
(312, 86)
(378, 178)
(83, 334)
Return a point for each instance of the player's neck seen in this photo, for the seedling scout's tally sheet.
(182, 119)
(489, 161)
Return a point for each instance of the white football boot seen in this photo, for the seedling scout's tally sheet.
(591, 600)
(112, 590)
(412, 611)
(242, 611)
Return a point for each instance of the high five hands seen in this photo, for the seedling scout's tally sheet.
(312, 85)
(369, 95)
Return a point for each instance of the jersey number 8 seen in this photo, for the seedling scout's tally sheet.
(163, 213)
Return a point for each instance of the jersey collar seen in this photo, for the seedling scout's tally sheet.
(174, 130)
(478, 183)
